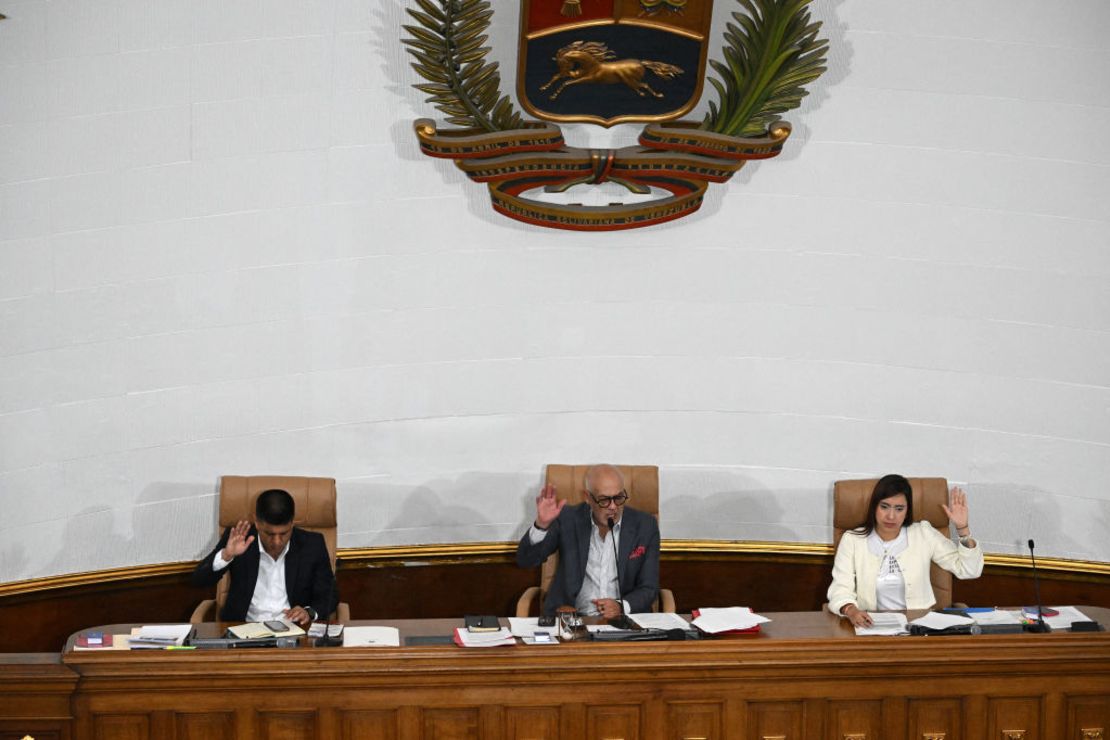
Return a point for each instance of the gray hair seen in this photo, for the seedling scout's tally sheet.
(599, 469)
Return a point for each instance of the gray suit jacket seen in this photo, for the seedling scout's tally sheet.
(637, 557)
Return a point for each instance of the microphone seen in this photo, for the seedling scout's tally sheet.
(1040, 626)
(616, 562)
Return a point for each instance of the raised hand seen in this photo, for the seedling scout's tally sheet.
(237, 541)
(957, 508)
(547, 507)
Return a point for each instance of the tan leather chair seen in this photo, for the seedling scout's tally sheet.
(642, 484)
(850, 499)
(314, 499)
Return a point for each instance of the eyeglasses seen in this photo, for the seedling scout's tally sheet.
(604, 501)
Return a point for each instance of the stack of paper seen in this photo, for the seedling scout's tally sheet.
(883, 624)
(662, 621)
(465, 638)
(993, 617)
(941, 621)
(1063, 620)
(527, 626)
(158, 636)
(728, 619)
(371, 637)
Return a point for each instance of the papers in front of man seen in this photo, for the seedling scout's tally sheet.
(1061, 620)
(258, 630)
(661, 621)
(159, 636)
(941, 621)
(994, 617)
(884, 624)
(727, 619)
(465, 638)
(371, 637)
(527, 626)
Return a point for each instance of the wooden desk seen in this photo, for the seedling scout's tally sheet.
(805, 676)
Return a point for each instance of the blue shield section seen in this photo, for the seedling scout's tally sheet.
(635, 81)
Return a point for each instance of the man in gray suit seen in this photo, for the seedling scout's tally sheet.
(593, 575)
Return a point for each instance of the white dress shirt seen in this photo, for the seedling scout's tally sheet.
(270, 599)
(890, 584)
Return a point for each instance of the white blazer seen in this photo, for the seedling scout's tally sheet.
(856, 568)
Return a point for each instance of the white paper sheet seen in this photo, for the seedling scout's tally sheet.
(371, 637)
(1063, 620)
(661, 621)
(996, 616)
(484, 639)
(527, 626)
(884, 624)
(939, 621)
(714, 620)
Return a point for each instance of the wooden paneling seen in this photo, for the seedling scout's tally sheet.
(205, 726)
(613, 722)
(782, 720)
(1089, 717)
(1014, 718)
(935, 719)
(368, 725)
(694, 720)
(121, 727)
(274, 725)
(451, 724)
(532, 723)
(854, 720)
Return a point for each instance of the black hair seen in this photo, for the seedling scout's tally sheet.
(274, 507)
(888, 486)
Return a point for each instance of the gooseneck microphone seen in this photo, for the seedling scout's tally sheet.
(1039, 626)
(616, 564)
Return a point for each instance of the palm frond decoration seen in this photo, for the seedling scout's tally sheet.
(450, 54)
(771, 53)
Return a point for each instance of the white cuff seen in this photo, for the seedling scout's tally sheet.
(536, 535)
(218, 562)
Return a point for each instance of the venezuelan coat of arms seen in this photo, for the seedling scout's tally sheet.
(610, 62)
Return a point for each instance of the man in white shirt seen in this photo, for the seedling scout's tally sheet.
(608, 553)
(277, 570)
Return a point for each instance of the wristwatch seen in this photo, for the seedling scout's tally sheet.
(311, 613)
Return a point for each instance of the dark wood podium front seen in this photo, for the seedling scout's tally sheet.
(805, 676)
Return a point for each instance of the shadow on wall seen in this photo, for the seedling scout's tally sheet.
(164, 522)
(439, 510)
(749, 513)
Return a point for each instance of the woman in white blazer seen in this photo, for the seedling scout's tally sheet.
(884, 563)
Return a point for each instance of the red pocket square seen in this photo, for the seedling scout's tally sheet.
(638, 552)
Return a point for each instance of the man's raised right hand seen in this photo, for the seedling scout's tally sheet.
(548, 507)
(237, 541)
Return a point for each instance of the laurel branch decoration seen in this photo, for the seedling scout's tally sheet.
(771, 53)
(449, 51)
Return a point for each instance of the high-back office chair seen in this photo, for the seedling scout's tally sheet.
(314, 499)
(850, 499)
(642, 484)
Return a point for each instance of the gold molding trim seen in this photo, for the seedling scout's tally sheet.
(453, 552)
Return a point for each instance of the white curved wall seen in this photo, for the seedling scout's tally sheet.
(221, 252)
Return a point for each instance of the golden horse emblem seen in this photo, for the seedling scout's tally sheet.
(591, 62)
